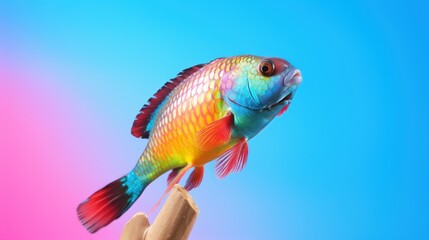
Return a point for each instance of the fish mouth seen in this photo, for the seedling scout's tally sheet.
(293, 77)
(286, 98)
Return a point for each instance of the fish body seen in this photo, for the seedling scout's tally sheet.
(207, 112)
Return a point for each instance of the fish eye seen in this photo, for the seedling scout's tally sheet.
(267, 67)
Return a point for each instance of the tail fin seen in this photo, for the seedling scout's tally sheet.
(110, 202)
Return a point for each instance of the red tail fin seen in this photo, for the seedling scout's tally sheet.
(109, 203)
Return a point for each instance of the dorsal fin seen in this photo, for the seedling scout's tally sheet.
(142, 124)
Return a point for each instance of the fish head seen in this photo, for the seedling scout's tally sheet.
(261, 83)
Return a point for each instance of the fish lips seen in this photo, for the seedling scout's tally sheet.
(292, 78)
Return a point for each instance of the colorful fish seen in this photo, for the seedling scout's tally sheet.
(209, 111)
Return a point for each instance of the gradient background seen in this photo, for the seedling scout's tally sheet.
(349, 160)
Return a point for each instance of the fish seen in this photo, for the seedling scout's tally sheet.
(207, 112)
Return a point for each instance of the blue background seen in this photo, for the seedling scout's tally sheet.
(349, 160)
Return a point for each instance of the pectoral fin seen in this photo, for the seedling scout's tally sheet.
(216, 133)
(232, 160)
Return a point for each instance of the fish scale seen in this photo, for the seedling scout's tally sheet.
(200, 104)
(209, 111)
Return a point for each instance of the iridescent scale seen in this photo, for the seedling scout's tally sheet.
(191, 106)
